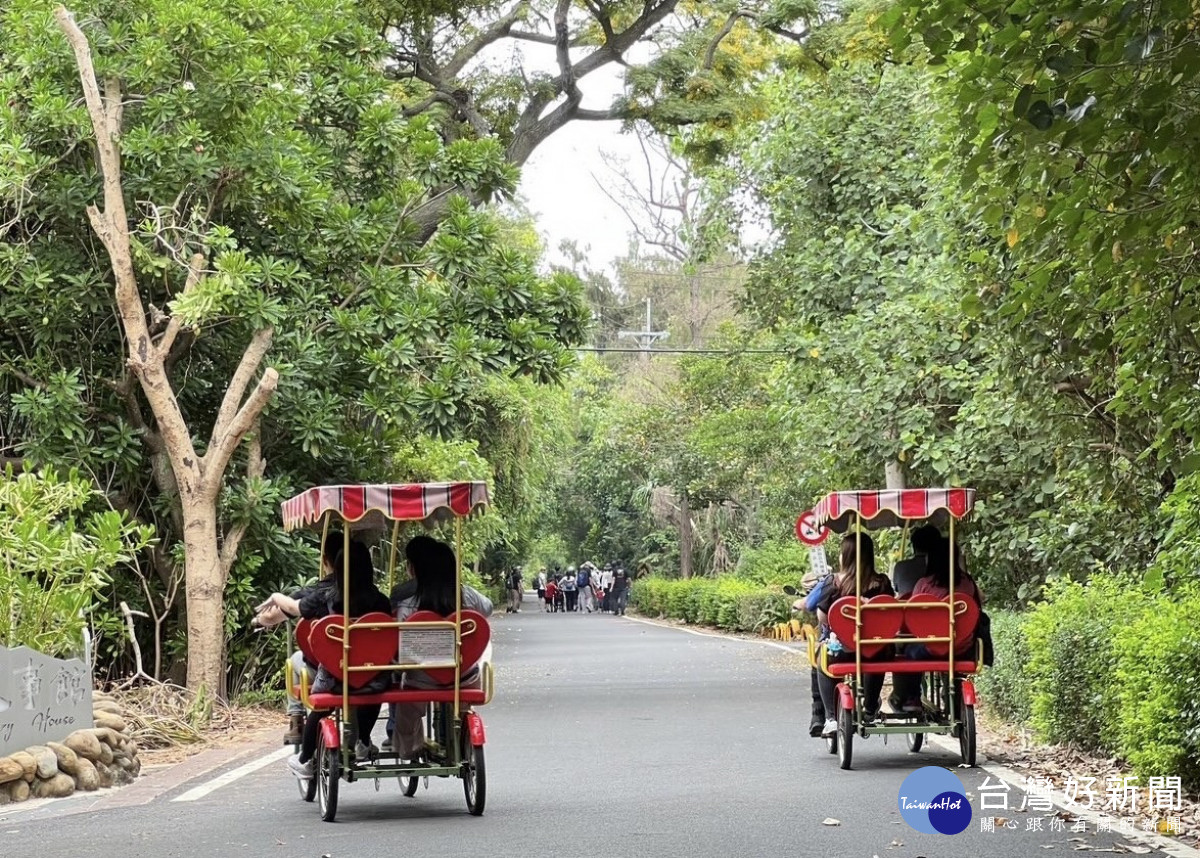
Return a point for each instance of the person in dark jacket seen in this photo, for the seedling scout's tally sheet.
(323, 600)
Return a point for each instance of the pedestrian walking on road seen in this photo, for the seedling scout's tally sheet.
(620, 591)
(583, 582)
(514, 591)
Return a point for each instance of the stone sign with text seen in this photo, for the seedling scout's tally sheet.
(42, 699)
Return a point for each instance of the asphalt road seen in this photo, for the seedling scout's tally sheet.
(608, 737)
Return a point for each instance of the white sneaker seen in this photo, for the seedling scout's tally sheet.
(363, 753)
(830, 728)
(299, 769)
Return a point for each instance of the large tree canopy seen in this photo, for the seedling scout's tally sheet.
(269, 178)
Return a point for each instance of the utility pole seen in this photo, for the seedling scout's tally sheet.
(644, 338)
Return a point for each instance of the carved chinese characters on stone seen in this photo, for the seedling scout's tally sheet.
(42, 699)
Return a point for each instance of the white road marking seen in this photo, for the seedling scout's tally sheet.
(701, 634)
(231, 776)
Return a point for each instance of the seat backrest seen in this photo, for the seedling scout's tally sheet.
(303, 630)
(368, 646)
(476, 634)
(935, 622)
(875, 623)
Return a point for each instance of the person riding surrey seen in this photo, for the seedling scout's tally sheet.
(808, 604)
(268, 615)
(936, 583)
(871, 583)
(434, 592)
(925, 540)
(324, 600)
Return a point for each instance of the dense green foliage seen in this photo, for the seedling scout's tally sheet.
(57, 553)
(1005, 687)
(730, 603)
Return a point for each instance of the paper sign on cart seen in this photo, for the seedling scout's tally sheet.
(426, 646)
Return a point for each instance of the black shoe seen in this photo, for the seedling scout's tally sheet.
(817, 725)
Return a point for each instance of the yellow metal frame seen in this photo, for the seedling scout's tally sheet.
(487, 676)
(821, 662)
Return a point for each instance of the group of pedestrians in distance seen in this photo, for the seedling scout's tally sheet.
(584, 590)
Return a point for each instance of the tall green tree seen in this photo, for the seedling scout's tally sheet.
(236, 188)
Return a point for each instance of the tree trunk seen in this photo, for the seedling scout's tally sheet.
(893, 474)
(685, 536)
(205, 591)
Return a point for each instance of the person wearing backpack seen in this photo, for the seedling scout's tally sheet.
(583, 582)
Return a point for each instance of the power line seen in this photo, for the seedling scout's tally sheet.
(730, 352)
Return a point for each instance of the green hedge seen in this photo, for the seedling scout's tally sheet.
(1073, 661)
(728, 602)
(1114, 668)
(1006, 687)
(1158, 674)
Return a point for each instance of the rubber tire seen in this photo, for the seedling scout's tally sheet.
(831, 743)
(410, 788)
(329, 771)
(474, 778)
(915, 741)
(308, 788)
(966, 736)
(845, 736)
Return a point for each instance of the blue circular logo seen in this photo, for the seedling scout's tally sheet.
(933, 801)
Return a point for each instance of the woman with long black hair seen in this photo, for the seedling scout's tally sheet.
(324, 599)
(435, 573)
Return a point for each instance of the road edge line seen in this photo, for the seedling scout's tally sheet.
(1149, 838)
(200, 791)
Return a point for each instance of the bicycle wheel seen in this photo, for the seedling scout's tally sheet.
(915, 741)
(329, 770)
(474, 777)
(845, 736)
(409, 785)
(966, 736)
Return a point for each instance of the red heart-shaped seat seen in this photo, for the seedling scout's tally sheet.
(875, 623)
(367, 646)
(476, 634)
(966, 617)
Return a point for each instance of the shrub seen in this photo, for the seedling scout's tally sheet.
(1157, 677)
(1006, 687)
(728, 602)
(54, 558)
(775, 563)
(1073, 660)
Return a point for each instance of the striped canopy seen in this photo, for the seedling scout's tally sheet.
(891, 508)
(371, 507)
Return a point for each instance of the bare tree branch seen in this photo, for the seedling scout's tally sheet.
(225, 436)
(498, 30)
(194, 272)
(710, 54)
(256, 466)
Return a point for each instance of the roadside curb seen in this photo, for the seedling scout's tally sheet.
(149, 786)
(1157, 841)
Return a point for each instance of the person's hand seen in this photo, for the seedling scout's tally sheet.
(798, 605)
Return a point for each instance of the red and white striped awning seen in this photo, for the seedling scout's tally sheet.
(370, 507)
(879, 509)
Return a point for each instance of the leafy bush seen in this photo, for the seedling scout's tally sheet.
(728, 602)
(1157, 677)
(1073, 658)
(54, 558)
(1006, 687)
(775, 563)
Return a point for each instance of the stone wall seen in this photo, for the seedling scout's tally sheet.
(89, 759)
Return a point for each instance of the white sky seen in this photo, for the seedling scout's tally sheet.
(558, 185)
